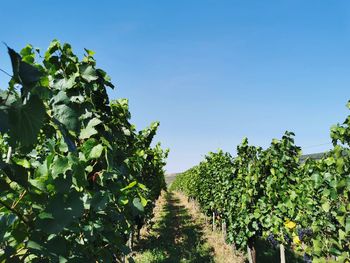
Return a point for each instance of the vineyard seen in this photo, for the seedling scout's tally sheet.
(268, 195)
(76, 179)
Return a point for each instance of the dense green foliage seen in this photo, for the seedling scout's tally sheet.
(269, 194)
(76, 177)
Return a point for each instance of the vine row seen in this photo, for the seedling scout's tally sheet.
(76, 178)
(269, 194)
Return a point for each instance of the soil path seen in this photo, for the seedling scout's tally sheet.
(179, 234)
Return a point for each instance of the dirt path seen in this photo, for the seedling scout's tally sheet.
(179, 234)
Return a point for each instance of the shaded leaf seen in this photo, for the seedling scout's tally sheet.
(26, 120)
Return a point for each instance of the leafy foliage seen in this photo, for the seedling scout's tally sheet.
(76, 177)
(269, 194)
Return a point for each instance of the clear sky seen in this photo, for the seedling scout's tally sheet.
(211, 72)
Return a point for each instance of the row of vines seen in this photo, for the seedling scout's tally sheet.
(76, 178)
(269, 194)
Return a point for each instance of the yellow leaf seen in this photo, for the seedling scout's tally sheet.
(290, 224)
(296, 240)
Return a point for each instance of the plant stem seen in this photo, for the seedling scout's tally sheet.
(19, 199)
(20, 216)
(9, 153)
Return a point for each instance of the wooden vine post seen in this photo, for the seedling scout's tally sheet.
(224, 232)
(233, 246)
(214, 227)
(251, 252)
(283, 255)
(130, 241)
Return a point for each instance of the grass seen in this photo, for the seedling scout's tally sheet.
(223, 252)
(175, 237)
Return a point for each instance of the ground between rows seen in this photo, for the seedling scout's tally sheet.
(179, 234)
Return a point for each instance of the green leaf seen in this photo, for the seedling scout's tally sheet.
(138, 205)
(88, 73)
(99, 201)
(342, 234)
(89, 52)
(326, 206)
(340, 165)
(131, 185)
(38, 183)
(94, 122)
(57, 246)
(348, 104)
(65, 84)
(79, 177)
(22, 162)
(317, 179)
(17, 174)
(26, 120)
(90, 129)
(123, 200)
(317, 246)
(334, 251)
(87, 133)
(64, 112)
(329, 161)
(27, 51)
(142, 186)
(28, 74)
(53, 47)
(4, 186)
(143, 201)
(96, 151)
(347, 225)
(62, 184)
(60, 166)
(15, 61)
(34, 245)
(88, 145)
(44, 215)
(293, 195)
(64, 211)
(67, 116)
(23, 72)
(4, 120)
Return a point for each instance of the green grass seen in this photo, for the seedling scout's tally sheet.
(175, 237)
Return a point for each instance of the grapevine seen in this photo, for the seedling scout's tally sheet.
(76, 177)
(268, 194)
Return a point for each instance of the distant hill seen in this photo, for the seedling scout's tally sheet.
(315, 156)
(169, 178)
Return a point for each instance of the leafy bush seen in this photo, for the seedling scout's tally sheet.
(76, 177)
(269, 194)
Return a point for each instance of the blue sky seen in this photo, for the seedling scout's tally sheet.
(211, 72)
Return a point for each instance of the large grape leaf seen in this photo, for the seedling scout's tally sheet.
(26, 120)
(64, 112)
(67, 116)
(60, 212)
(23, 73)
(88, 73)
(89, 130)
